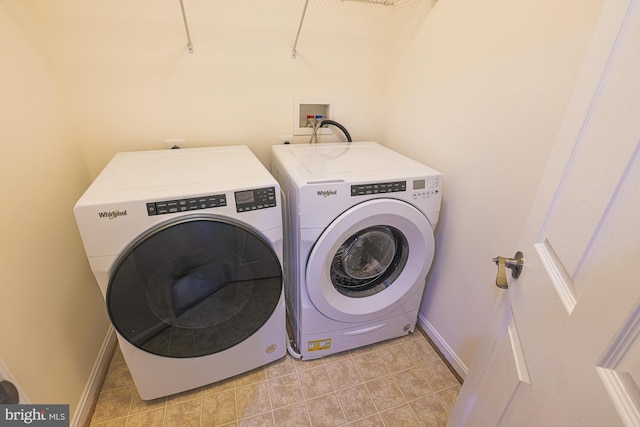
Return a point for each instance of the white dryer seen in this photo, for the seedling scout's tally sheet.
(359, 242)
(186, 246)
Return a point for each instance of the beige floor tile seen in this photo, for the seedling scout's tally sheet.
(184, 396)
(370, 365)
(412, 384)
(117, 376)
(430, 411)
(303, 365)
(117, 356)
(262, 420)
(438, 375)
(146, 419)
(224, 385)
(448, 396)
(343, 374)
(285, 391)
(420, 351)
(401, 416)
(113, 404)
(219, 409)
(292, 416)
(251, 377)
(370, 421)
(385, 393)
(253, 399)
(120, 422)
(315, 382)
(356, 402)
(325, 411)
(138, 405)
(184, 414)
(280, 367)
(396, 358)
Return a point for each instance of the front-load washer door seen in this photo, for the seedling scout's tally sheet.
(369, 260)
(194, 286)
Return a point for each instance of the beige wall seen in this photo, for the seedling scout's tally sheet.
(479, 95)
(52, 319)
(133, 84)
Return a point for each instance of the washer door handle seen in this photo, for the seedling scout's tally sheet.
(515, 264)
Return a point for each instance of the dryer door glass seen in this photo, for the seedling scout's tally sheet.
(369, 261)
(193, 287)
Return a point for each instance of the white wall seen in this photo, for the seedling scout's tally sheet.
(479, 95)
(52, 317)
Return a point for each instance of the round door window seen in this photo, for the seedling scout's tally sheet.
(193, 287)
(373, 258)
(369, 261)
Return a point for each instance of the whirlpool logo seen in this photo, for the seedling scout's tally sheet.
(113, 214)
(327, 193)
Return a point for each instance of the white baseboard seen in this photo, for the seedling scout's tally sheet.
(448, 353)
(87, 399)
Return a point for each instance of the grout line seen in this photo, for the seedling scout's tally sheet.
(235, 402)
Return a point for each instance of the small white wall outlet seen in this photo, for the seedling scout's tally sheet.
(308, 110)
(173, 143)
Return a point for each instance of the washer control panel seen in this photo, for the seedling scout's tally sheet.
(378, 188)
(421, 188)
(251, 200)
(424, 188)
(183, 205)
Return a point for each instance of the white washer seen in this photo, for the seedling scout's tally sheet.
(359, 242)
(186, 246)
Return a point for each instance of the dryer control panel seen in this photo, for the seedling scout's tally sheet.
(259, 198)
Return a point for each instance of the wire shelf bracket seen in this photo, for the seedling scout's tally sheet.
(295, 43)
(186, 27)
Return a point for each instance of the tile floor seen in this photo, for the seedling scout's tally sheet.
(401, 382)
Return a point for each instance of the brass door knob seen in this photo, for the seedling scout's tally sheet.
(515, 264)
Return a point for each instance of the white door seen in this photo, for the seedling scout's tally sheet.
(564, 348)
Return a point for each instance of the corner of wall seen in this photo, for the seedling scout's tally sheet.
(449, 354)
(91, 391)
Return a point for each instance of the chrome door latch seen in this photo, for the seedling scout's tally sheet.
(515, 264)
